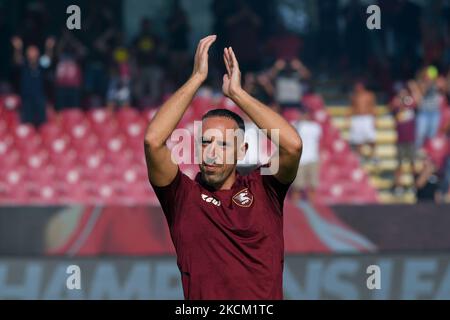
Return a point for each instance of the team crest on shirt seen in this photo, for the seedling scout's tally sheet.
(243, 198)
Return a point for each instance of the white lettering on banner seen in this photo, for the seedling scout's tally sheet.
(327, 277)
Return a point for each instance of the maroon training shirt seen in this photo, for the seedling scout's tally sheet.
(229, 243)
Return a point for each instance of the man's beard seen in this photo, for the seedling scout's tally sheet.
(216, 177)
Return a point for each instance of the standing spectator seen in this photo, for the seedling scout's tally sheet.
(284, 44)
(445, 182)
(243, 29)
(355, 35)
(68, 76)
(119, 91)
(289, 86)
(147, 49)
(362, 122)
(426, 181)
(260, 87)
(403, 107)
(178, 28)
(32, 83)
(307, 179)
(100, 22)
(428, 115)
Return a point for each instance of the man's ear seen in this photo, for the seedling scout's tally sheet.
(242, 150)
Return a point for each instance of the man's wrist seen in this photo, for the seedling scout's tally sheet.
(197, 78)
(237, 94)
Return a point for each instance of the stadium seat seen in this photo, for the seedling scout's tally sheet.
(10, 102)
(149, 113)
(3, 127)
(99, 117)
(71, 117)
(127, 115)
(49, 132)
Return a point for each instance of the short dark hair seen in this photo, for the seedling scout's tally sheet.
(226, 114)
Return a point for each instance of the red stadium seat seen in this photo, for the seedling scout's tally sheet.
(99, 117)
(3, 127)
(127, 115)
(6, 144)
(71, 117)
(49, 132)
(10, 102)
(37, 160)
(150, 113)
(86, 145)
(10, 160)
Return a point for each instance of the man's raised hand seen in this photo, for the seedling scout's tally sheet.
(201, 57)
(232, 79)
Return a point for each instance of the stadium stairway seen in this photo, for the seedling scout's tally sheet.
(382, 174)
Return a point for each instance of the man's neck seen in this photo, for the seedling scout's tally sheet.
(227, 184)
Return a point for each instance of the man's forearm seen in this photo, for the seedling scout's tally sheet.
(17, 56)
(171, 112)
(265, 118)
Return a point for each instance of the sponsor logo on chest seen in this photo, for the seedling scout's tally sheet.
(211, 200)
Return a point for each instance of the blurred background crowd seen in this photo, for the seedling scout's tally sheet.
(382, 89)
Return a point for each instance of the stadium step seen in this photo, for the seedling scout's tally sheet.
(381, 174)
(382, 123)
(387, 197)
(342, 111)
(388, 137)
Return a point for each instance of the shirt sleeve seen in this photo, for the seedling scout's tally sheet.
(275, 190)
(173, 194)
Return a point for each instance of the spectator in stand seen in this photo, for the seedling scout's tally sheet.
(147, 49)
(428, 114)
(355, 38)
(362, 121)
(307, 179)
(443, 194)
(119, 91)
(178, 29)
(284, 44)
(100, 22)
(403, 107)
(68, 75)
(426, 180)
(260, 87)
(243, 31)
(33, 66)
(289, 77)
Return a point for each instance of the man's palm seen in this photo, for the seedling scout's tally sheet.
(232, 79)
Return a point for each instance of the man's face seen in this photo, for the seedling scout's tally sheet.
(32, 54)
(221, 147)
(358, 87)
